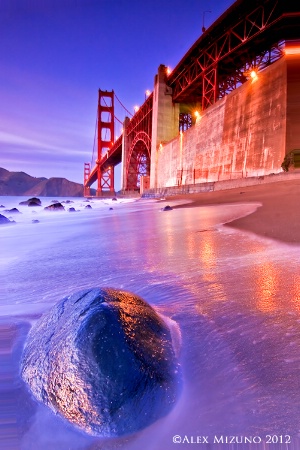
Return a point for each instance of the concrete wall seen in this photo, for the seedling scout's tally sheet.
(245, 134)
(293, 102)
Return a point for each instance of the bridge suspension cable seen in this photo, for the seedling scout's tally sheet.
(94, 145)
(123, 105)
(115, 117)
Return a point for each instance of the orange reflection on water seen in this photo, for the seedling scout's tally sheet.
(295, 293)
(209, 261)
(208, 256)
(169, 235)
(267, 284)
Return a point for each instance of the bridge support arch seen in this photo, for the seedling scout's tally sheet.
(137, 162)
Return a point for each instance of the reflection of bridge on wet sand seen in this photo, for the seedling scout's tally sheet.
(252, 46)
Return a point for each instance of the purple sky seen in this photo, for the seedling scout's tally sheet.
(56, 54)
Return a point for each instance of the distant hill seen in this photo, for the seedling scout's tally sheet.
(20, 183)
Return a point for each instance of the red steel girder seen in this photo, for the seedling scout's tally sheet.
(142, 120)
(139, 133)
(87, 171)
(106, 116)
(103, 172)
(86, 175)
(210, 88)
(245, 30)
(106, 179)
(139, 166)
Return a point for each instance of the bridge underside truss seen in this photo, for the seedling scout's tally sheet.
(141, 122)
(249, 36)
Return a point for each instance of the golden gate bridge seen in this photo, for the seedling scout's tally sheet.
(246, 39)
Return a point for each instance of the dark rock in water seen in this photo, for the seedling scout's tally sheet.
(55, 207)
(167, 208)
(114, 199)
(88, 207)
(111, 209)
(72, 209)
(5, 220)
(104, 360)
(35, 221)
(13, 210)
(34, 201)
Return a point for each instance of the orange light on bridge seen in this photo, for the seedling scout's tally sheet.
(136, 108)
(197, 115)
(168, 70)
(292, 50)
(253, 74)
(147, 93)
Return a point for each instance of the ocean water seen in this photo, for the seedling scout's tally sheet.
(234, 295)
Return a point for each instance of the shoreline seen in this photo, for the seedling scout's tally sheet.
(277, 218)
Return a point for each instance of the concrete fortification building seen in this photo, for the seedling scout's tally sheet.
(247, 133)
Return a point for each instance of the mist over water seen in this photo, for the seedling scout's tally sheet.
(235, 297)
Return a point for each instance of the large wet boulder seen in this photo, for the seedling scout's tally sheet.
(104, 360)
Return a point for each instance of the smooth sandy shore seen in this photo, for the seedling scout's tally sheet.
(278, 217)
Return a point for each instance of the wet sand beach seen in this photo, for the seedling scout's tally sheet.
(234, 297)
(277, 215)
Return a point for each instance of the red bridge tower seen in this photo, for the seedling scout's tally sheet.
(106, 133)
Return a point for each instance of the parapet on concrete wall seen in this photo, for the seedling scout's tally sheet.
(242, 135)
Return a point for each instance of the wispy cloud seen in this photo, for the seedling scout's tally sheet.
(14, 139)
(23, 141)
